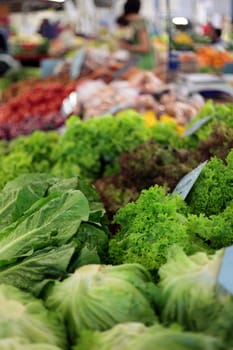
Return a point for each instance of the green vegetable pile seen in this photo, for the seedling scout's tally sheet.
(151, 163)
(66, 283)
(47, 227)
(150, 225)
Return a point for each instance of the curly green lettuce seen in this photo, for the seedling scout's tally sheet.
(213, 189)
(149, 227)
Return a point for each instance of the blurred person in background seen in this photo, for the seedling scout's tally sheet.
(7, 62)
(3, 42)
(48, 30)
(216, 37)
(139, 42)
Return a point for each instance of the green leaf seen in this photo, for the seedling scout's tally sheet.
(55, 222)
(18, 195)
(33, 273)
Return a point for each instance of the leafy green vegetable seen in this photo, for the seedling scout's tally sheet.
(97, 297)
(213, 189)
(130, 336)
(53, 220)
(218, 144)
(52, 228)
(94, 145)
(191, 295)
(144, 166)
(221, 114)
(34, 272)
(216, 230)
(188, 289)
(92, 237)
(149, 227)
(19, 194)
(23, 316)
(166, 134)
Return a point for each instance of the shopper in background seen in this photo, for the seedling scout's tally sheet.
(48, 30)
(216, 37)
(3, 42)
(139, 44)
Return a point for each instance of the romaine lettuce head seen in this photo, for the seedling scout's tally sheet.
(97, 297)
(137, 336)
(188, 287)
(21, 315)
(19, 344)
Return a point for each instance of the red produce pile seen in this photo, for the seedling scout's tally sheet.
(37, 107)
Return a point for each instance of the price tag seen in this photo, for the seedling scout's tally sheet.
(186, 183)
(225, 279)
(77, 63)
(196, 126)
(48, 66)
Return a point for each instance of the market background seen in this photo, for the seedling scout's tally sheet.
(116, 182)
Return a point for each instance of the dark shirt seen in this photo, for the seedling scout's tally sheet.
(3, 42)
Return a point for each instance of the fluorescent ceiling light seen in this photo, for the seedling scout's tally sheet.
(57, 0)
(180, 21)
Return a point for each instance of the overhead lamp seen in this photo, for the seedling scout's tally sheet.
(60, 1)
(180, 21)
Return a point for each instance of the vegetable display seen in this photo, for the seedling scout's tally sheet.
(91, 149)
(38, 107)
(69, 283)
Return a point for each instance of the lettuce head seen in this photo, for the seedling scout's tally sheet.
(137, 336)
(97, 297)
(23, 316)
(192, 296)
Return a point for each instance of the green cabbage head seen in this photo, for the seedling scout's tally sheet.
(97, 297)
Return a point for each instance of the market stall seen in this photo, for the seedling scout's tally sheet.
(116, 196)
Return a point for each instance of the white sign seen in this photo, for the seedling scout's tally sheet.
(187, 182)
(225, 276)
(196, 126)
